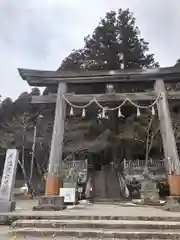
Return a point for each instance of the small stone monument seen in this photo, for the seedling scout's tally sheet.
(149, 191)
(8, 180)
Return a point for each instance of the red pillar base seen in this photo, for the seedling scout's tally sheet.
(52, 185)
(51, 201)
(174, 185)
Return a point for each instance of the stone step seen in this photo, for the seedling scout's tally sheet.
(96, 224)
(107, 200)
(96, 233)
(52, 215)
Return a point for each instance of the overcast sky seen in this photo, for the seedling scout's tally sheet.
(39, 34)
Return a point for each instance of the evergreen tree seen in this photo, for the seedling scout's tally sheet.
(115, 44)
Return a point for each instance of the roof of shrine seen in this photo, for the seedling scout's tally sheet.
(47, 78)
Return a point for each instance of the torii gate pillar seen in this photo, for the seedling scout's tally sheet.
(55, 159)
(168, 139)
(52, 200)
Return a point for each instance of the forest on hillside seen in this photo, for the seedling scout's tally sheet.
(116, 43)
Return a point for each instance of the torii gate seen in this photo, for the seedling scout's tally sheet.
(62, 79)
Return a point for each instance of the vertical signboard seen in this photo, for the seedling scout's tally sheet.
(9, 174)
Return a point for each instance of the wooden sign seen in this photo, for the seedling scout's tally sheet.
(9, 174)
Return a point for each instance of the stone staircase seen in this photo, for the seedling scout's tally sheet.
(112, 183)
(94, 227)
(99, 185)
(106, 185)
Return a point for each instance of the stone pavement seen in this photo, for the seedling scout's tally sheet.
(24, 208)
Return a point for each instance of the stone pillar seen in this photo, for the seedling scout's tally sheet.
(52, 200)
(168, 139)
(7, 203)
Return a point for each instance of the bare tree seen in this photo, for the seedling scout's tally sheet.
(17, 133)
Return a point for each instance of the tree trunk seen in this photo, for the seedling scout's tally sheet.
(33, 155)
